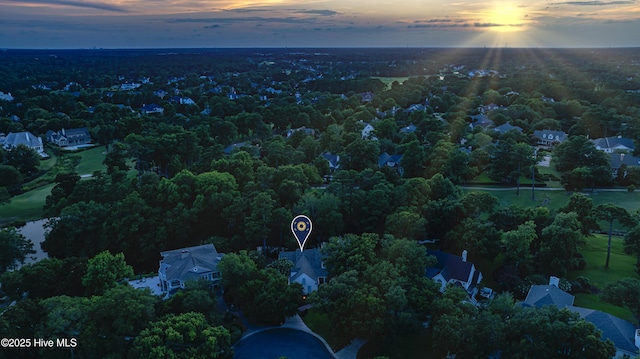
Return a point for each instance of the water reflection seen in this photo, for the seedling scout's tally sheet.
(34, 231)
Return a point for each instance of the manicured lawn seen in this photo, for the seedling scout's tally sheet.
(556, 199)
(621, 266)
(389, 80)
(91, 160)
(507, 197)
(25, 207)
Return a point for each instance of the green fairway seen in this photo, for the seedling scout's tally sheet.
(556, 199)
(389, 80)
(25, 207)
(621, 266)
(28, 206)
(91, 161)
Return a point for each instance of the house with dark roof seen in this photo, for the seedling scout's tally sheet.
(152, 108)
(304, 129)
(334, 160)
(179, 266)
(453, 269)
(618, 159)
(408, 129)
(624, 335)
(543, 295)
(506, 127)
(614, 144)
(70, 137)
(393, 161)
(14, 139)
(549, 137)
(308, 269)
(480, 120)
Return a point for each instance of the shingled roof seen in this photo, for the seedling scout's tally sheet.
(621, 332)
(189, 263)
(307, 262)
(449, 266)
(542, 295)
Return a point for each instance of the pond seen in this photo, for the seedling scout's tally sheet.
(276, 343)
(34, 231)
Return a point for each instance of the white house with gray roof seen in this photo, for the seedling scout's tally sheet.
(614, 144)
(549, 137)
(308, 268)
(23, 138)
(179, 266)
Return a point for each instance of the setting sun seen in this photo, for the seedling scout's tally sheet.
(507, 18)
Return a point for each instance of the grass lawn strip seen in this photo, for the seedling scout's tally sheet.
(25, 207)
(621, 266)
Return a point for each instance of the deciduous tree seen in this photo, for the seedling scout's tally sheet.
(186, 335)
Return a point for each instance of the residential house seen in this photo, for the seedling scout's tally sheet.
(129, 86)
(389, 160)
(614, 144)
(308, 268)
(23, 138)
(415, 107)
(179, 266)
(366, 97)
(453, 269)
(480, 120)
(160, 93)
(334, 160)
(549, 137)
(408, 129)
(6, 96)
(622, 333)
(506, 127)
(618, 159)
(489, 107)
(181, 100)
(307, 131)
(367, 131)
(152, 108)
(71, 137)
(543, 295)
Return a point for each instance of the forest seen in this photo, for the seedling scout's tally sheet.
(226, 146)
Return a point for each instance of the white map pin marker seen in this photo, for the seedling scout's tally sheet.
(301, 228)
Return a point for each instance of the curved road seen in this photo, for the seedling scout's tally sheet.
(523, 188)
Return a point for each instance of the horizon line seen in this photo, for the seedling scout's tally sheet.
(4, 49)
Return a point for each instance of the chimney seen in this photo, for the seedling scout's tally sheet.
(622, 157)
(184, 254)
(464, 255)
(555, 281)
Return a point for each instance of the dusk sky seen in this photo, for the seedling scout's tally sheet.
(315, 23)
